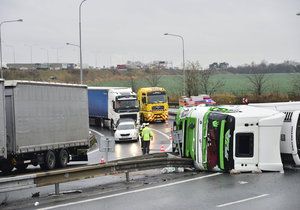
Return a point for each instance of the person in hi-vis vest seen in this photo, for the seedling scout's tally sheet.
(147, 136)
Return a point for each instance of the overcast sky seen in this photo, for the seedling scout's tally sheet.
(114, 31)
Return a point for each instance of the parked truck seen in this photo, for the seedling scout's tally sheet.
(109, 104)
(290, 131)
(42, 123)
(153, 104)
(230, 138)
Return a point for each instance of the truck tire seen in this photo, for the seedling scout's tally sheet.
(101, 123)
(49, 160)
(6, 166)
(21, 167)
(62, 158)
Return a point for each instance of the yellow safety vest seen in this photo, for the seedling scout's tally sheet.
(147, 134)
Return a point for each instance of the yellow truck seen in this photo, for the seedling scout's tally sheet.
(153, 104)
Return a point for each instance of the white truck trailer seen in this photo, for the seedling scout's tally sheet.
(46, 124)
(108, 104)
(290, 131)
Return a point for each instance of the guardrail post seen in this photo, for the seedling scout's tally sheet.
(56, 188)
(127, 176)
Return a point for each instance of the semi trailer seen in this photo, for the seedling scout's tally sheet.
(230, 138)
(42, 124)
(109, 104)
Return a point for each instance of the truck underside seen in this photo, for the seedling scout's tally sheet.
(47, 159)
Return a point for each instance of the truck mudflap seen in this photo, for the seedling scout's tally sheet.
(81, 157)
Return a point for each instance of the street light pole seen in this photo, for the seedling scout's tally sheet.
(80, 51)
(6, 21)
(183, 60)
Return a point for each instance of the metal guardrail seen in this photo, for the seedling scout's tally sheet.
(90, 171)
(173, 104)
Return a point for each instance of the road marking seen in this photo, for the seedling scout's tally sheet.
(240, 201)
(165, 135)
(130, 192)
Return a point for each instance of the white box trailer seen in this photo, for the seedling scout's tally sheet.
(46, 124)
(290, 132)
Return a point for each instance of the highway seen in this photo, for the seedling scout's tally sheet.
(202, 191)
(154, 190)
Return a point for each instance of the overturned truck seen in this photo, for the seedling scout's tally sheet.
(230, 138)
(42, 124)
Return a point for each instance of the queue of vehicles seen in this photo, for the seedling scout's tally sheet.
(47, 124)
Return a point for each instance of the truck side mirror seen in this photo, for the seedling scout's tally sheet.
(114, 104)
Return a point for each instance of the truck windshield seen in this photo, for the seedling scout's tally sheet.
(126, 104)
(156, 98)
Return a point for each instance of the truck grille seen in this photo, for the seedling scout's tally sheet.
(131, 116)
(157, 108)
(125, 134)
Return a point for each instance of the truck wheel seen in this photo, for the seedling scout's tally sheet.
(50, 160)
(62, 159)
(6, 166)
(21, 167)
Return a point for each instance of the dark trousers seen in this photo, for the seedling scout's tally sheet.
(146, 146)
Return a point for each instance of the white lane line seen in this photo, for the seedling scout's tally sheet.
(130, 192)
(240, 201)
(165, 135)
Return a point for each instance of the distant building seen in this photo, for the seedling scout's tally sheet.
(121, 67)
(33, 66)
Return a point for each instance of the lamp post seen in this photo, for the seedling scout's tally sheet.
(31, 50)
(6, 21)
(76, 45)
(80, 51)
(183, 61)
(47, 54)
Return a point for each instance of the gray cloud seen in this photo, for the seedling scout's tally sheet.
(235, 31)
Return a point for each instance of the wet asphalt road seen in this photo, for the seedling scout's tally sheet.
(122, 150)
(205, 191)
(130, 149)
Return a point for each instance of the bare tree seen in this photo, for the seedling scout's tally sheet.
(258, 79)
(201, 81)
(133, 77)
(192, 73)
(153, 77)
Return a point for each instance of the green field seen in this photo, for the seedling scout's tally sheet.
(234, 83)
